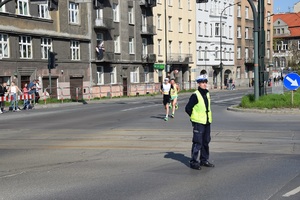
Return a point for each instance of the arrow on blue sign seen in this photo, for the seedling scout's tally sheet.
(291, 81)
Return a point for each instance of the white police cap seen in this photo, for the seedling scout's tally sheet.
(200, 78)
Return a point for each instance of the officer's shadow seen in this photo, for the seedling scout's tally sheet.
(178, 157)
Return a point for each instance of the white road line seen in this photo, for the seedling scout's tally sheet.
(141, 107)
(293, 192)
(220, 101)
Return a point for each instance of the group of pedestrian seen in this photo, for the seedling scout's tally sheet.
(170, 90)
(199, 110)
(13, 91)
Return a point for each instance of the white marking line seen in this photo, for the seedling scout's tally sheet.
(141, 107)
(293, 192)
(220, 101)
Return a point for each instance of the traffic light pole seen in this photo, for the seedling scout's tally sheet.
(50, 89)
(256, 66)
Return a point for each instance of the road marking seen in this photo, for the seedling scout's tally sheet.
(140, 107)
(220, 101)
(293, 192)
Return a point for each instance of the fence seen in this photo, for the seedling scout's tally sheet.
(99, 91)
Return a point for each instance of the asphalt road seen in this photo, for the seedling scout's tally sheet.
(122, 149)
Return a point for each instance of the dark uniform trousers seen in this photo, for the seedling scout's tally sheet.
(201, 139)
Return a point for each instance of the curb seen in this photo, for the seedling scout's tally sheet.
(265, 110)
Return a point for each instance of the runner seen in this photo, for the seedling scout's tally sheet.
(174, 96)
(165, 90)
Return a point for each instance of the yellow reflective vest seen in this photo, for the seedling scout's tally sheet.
(199, 110)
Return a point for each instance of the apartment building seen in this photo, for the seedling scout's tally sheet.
(244, 40)
(125, 30)
(123, 66)
(215, 34)
(286, 43)
(175, 40)
(29, 31)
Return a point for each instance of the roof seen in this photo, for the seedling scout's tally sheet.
(293, 22)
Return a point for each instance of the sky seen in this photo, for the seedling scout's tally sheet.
(284, 5)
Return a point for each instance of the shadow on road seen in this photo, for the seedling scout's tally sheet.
(178, 157)
(158, 116)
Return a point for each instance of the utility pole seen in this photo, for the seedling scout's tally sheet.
(261, 41)
(256, 66)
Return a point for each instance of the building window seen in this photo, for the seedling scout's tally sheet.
(238, 11)
(284, 45)
(230, 54)
(113, 75)
(25, 44)
(130, 15)
(239, 35)
(23, 7)
(247, 12)
(100, 75)
(268, 17)
(144, 46)
(189, 26)
(230, 32)
(134, 75)
(217, 29)
(169, 2)
(75, 50)
(170, 47)
(199, 28)
(159, 46)
(238, 53)
(74, 13)
(217, 53)
(189, 47)
(246, 33)
(246, 54)
(179, 4)
(238, 72)
(180, 48)
(205, 29)
(99, 38)
(205, 53)
(268, 54)
(46, 44)
(199, 53)
(189, 4)
(131, 46)
(268, 35)
(159, 21)
(117, 44)
(43, 11)
(170, 23)
(116, 12)
(4, 45)
(180, 25)
(146, 73)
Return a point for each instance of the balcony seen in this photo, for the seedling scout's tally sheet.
(177, 58)
(105, 57)
(148, 30)
(147, 3)
(104, 23)
(149, 58)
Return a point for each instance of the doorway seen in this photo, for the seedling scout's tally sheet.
(76, 91)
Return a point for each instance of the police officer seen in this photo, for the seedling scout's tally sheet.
(198, 108)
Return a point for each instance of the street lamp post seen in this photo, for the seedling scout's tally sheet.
(221, 63)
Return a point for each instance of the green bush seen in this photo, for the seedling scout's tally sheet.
(271, 101)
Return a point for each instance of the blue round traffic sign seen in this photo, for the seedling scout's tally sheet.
(291, 81)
